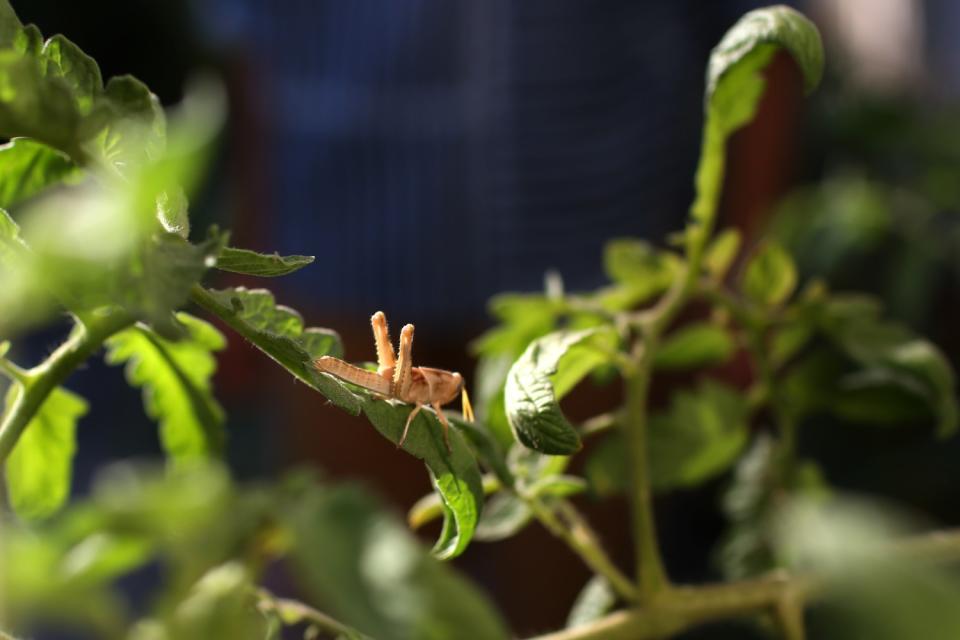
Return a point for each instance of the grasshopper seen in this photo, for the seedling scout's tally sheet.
(396, 377)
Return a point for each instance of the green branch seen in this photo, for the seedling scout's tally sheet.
(37, 383)
(570, 526)
(293, 612)
(780, 594)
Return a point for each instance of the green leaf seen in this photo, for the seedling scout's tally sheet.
(699, 436)
(128, 125)
(219, 605)
(721, 253)
(173, 212)
(370, 573)
(504, 516)
(595, 600)
(62, 59)
(523, 317)
(40, 467)
(734, 86)
(28, 167)
(11, 244)
(559, 486)
(278, 332)
(890, 353)
(531, 402)
(169, 267)
(252, 263)
(454, 475)
(639, 270)
(35, 106)
(779, 26)
(10, 25)
(175, 378)
(696, 345)
(29, 41)
(770, 276)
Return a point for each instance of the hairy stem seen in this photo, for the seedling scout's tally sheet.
(37, 383)
(570, 526)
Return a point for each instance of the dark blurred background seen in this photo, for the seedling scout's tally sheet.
(431, 153)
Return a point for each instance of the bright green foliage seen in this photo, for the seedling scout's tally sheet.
(696, 345)
(27, 167)
(39, 470)
(258, 264)
(175, 377)
(770, 277)
(373, 575)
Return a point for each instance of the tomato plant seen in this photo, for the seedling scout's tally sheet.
(95, 186)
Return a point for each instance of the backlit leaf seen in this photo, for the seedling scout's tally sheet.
(175, 378)
(27, 167)
(259, 264)
(40, 467)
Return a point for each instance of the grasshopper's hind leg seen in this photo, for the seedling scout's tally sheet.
(386, 361)
(402, 376)
(406, 427)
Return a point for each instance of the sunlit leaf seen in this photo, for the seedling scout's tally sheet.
(734, 86)
(40, 467)
(27, 167)
(278, 332)
(62, 59)
(260, 264)
(175, 377)
(531, 402)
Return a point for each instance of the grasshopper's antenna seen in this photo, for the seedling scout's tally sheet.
(467, 408)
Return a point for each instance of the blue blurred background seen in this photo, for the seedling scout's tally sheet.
(431, 153)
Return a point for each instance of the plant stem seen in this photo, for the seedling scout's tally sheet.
(683, 608)
(650, 572)
(569, 525)
(37, 383)
(295, 612)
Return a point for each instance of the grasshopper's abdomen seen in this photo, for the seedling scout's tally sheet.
(360, 377)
